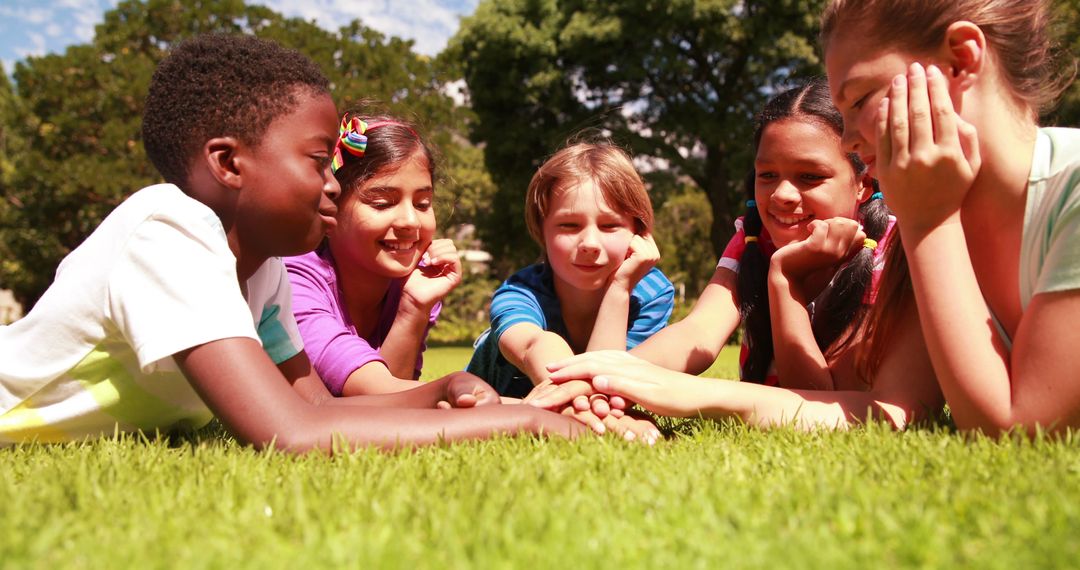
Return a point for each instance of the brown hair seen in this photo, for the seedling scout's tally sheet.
(388, 146)
(605, 164)
(1017, 32)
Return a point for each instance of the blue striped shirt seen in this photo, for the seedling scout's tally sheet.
(529, 296)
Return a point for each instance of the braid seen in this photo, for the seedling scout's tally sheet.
(753, 293)
(842, 303)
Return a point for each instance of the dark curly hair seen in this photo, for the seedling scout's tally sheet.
(220, 85)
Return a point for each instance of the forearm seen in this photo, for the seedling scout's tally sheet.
(799, 362)
(609, 329)
(969, 357)
(382, 393)
(392, 429)
(767, 406)
(404, 341)
(687, 346)
(531, 349)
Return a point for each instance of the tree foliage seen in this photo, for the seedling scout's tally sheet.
(675, 80)
(78, 114)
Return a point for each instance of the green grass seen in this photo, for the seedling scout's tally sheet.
(711, 495)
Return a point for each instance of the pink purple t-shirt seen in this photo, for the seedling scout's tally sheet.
(733, 253)
(332, 344)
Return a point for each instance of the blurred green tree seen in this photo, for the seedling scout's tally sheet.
(677, 81)
(77, 116)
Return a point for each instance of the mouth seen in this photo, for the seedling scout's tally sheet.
(589, 268)
(329, 220)
(398, 247)
(790, 219)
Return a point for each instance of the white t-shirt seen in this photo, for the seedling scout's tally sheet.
(95, 353)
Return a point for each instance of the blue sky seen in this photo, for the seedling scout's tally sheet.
(36, 27)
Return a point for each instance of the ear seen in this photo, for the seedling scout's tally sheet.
(220, 157)
(866, 189)
(965, 53)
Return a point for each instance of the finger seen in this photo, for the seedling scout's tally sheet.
(922, 124)
(581, 403)
(884, 136)
(583, 370)
(486, 397)
(941, 107)
(465, 401)
(443, 405)
(562, 395)
(618, 413)
(969, 142)
(898, 119)
(618, 403)
(618, 386)
(587, 418)
(599, 403)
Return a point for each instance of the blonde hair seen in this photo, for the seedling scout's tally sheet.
(1018, 33)
(605, 164)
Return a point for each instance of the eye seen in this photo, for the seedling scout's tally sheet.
(322, 161)
(813, 178)
(381, 204)
(611, 227)
(423, 205)
(861, 101)
(766, 175)
(568, 226)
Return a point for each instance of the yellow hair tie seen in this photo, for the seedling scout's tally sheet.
(750, 239)
(869, 244)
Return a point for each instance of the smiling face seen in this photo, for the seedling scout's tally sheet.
(585, 239)
(801, 174)
(387, 223)
(287, 204)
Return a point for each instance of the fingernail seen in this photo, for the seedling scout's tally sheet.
(898, 81)
(599, 428)
(933, 71)
(629, 436)
(600, 382)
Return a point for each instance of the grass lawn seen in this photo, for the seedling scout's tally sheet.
(711, 495)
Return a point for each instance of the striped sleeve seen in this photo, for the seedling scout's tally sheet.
(514, 303)
(651, 304)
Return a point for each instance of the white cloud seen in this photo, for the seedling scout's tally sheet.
(37, 47)
(430, 23)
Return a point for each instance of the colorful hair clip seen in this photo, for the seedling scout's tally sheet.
(751, 204)
(749, 239)
(869, 244)
(877, 196)
(351, 137)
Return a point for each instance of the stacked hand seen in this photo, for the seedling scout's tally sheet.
(578, 399)
(437, 275)
(620, 374)
(927, 155)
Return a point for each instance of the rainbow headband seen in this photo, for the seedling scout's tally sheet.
(352, 138)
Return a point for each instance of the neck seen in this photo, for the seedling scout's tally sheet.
(577, 305)
(247, 261)
(1006, 143)
(363, 291)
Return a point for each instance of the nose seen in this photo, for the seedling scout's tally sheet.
(406, 217)
(849, 140)
(785, 192)
(589, 241)
(330, 186)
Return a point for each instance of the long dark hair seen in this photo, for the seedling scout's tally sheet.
(841, 304)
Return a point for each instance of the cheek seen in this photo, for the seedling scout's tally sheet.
(617, 244)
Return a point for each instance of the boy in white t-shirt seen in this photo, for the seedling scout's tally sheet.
(166, 314)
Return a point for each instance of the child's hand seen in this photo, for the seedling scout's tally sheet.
(621, 374)
(466, 390)
(829, 243)
(631, 427)
(927, 155)
(430, 282)
(641, 257)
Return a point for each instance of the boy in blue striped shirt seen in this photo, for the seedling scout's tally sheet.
(596, 288)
